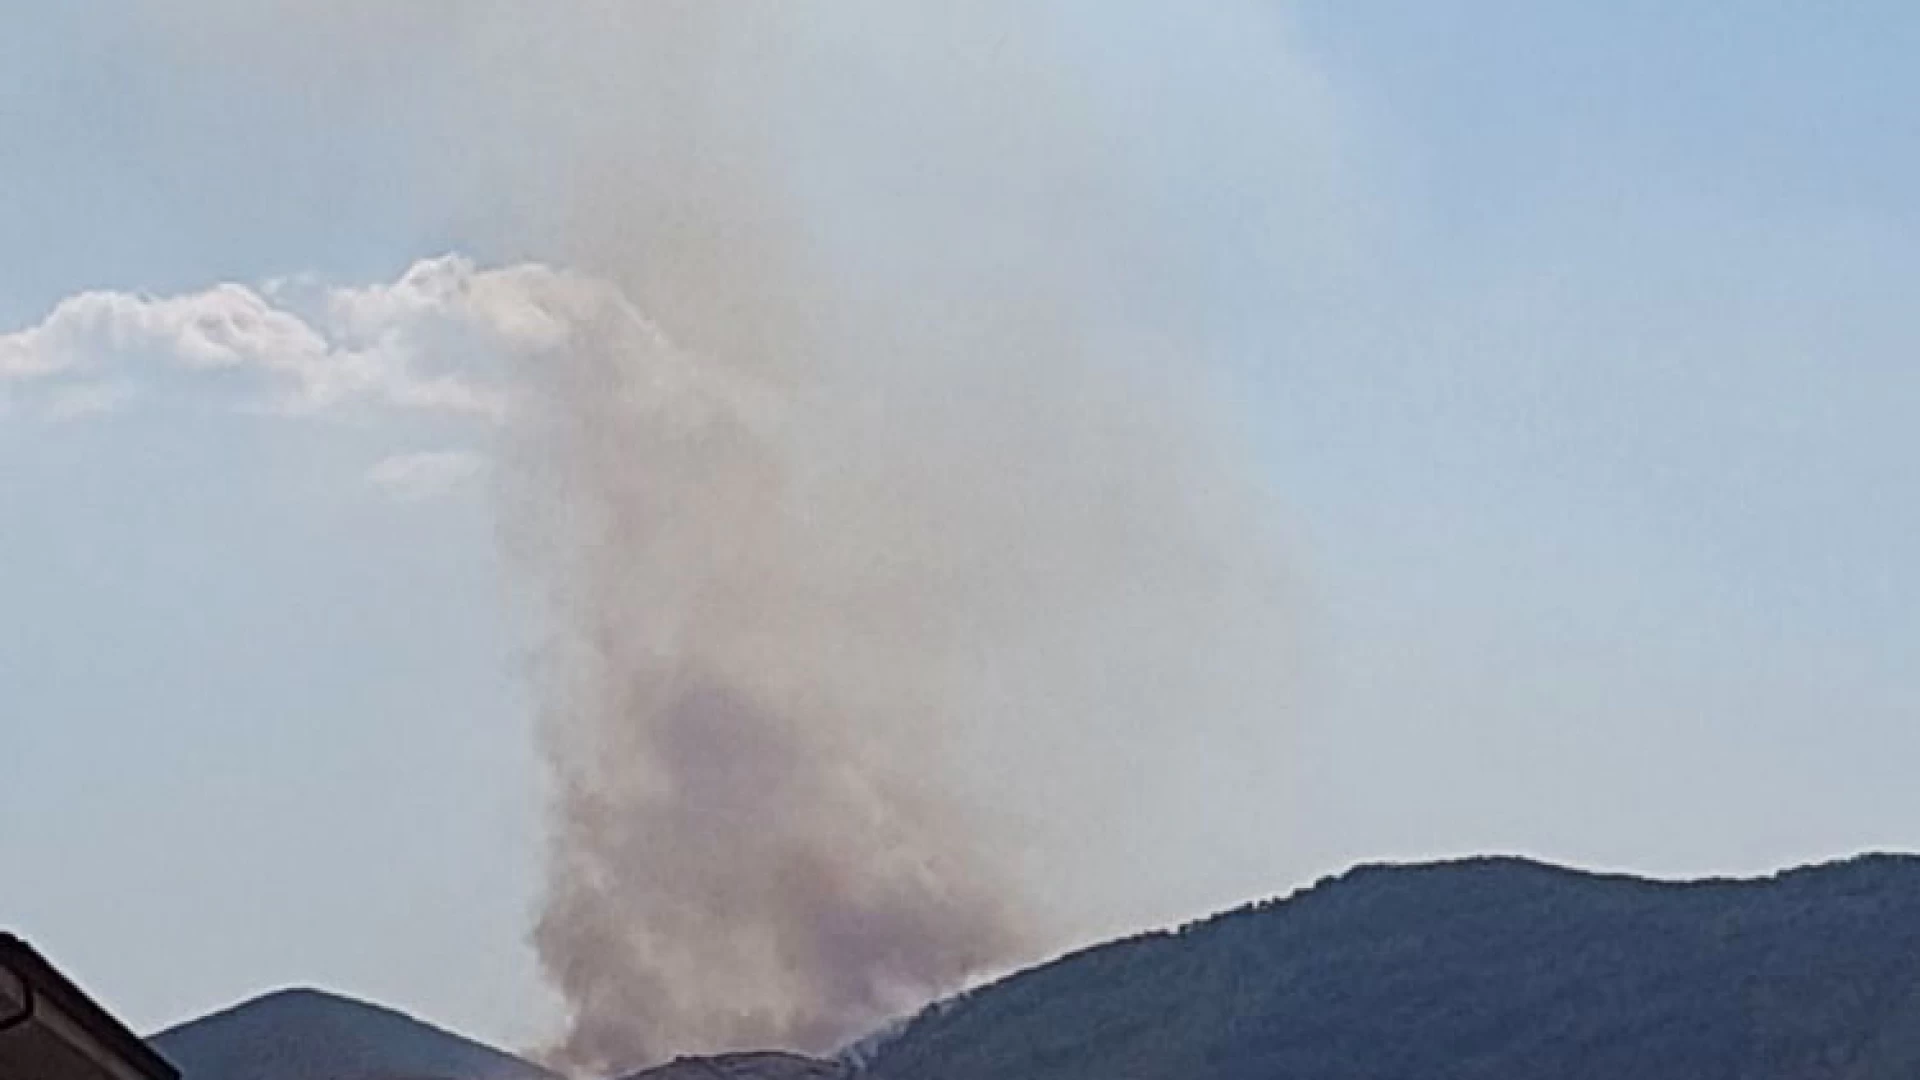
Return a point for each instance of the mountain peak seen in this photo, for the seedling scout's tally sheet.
(303, 1033)
(302, 998)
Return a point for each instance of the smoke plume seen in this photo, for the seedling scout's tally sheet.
(776, 615)
(734, 859)
(891, 539)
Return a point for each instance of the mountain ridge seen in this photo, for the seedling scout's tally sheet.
(1483, 967)
(1486, 966)
(747, 1065)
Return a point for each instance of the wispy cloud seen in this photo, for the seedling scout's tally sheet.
(78, 400)
(425, 475)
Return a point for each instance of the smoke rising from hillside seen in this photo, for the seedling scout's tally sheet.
(889, 536)
(735, 861)
(777, 615)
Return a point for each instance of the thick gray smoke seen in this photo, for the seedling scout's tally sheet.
(893, 546)
(735, 860)
(916, 548)
(778, 613)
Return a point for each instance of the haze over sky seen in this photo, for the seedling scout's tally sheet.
(1579, 342)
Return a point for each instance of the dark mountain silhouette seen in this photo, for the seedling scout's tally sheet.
(310, 1035)
(1474, 970)
(753, 1066)
(1485, 969)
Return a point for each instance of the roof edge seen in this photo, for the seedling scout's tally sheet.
(45, 981)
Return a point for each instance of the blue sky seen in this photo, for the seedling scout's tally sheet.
(1577, 343)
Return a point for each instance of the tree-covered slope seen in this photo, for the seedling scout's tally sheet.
(1487, 968)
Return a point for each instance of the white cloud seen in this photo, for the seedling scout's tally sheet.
(434, 340)
(527, 307)
(425, 475)
(446, 342)
(223, 327)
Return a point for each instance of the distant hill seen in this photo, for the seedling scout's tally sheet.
(749, 1066)
(1474, 970)
(310, 1035)
(1485, 969)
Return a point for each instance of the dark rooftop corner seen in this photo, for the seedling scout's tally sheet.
(50, 1029)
